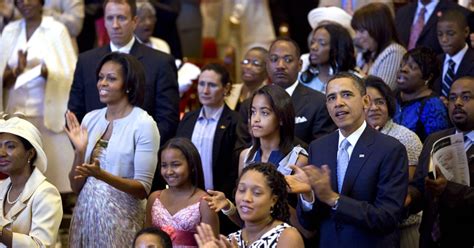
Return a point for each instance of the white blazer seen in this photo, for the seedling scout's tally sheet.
(35, 218)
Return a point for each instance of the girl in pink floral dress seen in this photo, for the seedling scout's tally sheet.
(178, 209)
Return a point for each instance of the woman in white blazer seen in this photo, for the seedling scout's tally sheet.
(30, 207)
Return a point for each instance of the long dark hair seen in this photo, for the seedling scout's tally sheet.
(341, 51)
(278, 185)
(191, 155)
(283, 108)
(378, 20)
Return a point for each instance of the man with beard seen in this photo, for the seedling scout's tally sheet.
(448, 214)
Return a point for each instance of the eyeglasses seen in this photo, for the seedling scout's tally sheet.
(254, 62)
(464, 98)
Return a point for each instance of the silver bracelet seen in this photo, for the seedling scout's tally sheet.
(232, 209)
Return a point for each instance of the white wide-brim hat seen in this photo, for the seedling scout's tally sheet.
(29, 132)
(332, 14)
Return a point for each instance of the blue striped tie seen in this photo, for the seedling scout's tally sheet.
(342, 162)
(448, 78)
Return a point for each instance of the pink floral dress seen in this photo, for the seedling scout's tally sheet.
(181, 226)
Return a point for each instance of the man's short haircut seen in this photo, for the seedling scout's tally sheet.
(356, 80)
(131, 3)
(289, 40)
(163, 236)
(455, 16)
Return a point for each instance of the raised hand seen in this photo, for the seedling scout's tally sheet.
(216, 200)
(205, 238)
(88, 170)
(299, 181)
(77, 134)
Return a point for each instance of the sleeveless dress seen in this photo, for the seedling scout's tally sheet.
(117, 216)
(280, 160)
(267, 240)
(181, 226)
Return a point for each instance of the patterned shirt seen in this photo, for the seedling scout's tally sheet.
(423, 116)
(408, 138)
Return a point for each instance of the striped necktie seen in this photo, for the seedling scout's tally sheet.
(448, 78)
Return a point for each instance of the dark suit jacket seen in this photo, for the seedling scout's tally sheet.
(466, 68)
(311, 116)
(161, 87)
(428, 37)
(372, 197)
(456, 204)
(224, 157)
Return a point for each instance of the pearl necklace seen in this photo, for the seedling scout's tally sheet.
(8, 196)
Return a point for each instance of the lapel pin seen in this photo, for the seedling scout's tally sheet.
(361, 155)
(222, 127)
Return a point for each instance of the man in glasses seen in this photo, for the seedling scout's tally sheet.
(448, 216)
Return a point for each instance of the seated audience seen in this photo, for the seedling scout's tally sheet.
(261, 199)
(418, 107)
(178, 209)
(31, 206)
(447, 205)
(458, 58)
(253, 75)
(115, 158)
(36, 71)
(331, 51)
(376, 35)
(379, 116)
(152, 237)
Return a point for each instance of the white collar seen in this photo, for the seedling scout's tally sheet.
(457, 58)
(353, 137)
(292, 88)
(124, 49)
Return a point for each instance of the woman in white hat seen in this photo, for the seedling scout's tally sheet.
(30, 206)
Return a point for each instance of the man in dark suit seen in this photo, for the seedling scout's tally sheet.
(161, 88)
(312, 119)
(407, 15)
(358, 176)
(448, 207)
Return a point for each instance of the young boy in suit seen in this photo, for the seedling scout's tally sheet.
(458, 59)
